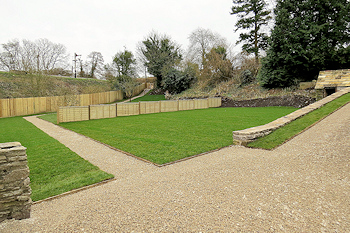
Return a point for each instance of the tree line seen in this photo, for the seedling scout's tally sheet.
(306, 37)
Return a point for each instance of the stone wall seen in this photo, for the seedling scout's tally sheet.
(15, 201)
(245, 136)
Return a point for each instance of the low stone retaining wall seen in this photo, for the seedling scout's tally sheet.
(15, 201)
(247, 135)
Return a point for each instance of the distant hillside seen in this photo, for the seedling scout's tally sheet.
(14, 85)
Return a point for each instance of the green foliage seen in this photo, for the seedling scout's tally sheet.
(252, 15)
(125, 63)
(246, 77)
(167, 137)
(308, 36)
(176, 81)
(54, 168)
(159, 54)
(279, 136)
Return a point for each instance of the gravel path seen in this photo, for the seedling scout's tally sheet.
(302, 186)
(111, 161)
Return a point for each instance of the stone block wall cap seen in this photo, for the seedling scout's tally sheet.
(11, 145)
(250, 131)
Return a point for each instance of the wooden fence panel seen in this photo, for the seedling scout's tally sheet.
(186, 105)
(103, 111)
(128, 109)
(201, 103)
(214, 102)
(30, 106)
(77, 113)
(139, 89)
(33, 105)
(5, 108)
(102, 97)
(41, 105)
(18, 106)
(169, 105)
(115, 96)
(147, 107)
(80, 113)
(55, 103)
(84, 100)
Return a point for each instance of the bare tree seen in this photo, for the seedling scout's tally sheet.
(128, 86)
(201, 42)
(30, 56)
(94, 64)
(40, 55)
(10, 58)
(51, 54)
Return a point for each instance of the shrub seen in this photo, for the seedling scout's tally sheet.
(176, 81)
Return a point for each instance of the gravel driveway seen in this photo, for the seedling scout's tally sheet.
(302, 186)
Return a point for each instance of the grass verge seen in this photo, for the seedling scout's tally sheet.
(283, 134)
(50, 117)
(54, 169)
(167, 137)
(149, 97)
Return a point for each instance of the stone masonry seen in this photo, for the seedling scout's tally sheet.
(242, 137)
(15, 201)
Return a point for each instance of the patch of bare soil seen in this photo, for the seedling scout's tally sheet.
(296, 101)
(157, 91)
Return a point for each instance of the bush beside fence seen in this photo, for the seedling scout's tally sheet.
(66, 114)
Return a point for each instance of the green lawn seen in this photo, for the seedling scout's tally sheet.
(54, 168)
(279, 136)
(149, 97)
(167, 137)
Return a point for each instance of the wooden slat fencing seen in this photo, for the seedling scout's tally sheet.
(103, 111)
(77, 113)
(34, 105)
(66, 114)
(148, 107)
(128, 109)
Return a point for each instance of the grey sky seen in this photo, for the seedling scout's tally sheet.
(107, 26)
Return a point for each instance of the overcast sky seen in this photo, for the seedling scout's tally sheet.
(107, 26)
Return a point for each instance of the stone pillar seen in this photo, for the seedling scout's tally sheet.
(15, 201)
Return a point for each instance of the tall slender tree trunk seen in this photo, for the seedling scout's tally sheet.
(256, 47)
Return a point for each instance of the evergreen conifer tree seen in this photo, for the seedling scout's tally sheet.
(252, 15)
(308, 36)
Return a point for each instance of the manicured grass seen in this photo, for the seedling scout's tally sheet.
(149, 97)
(167, 137)
(54, 168)
(281, 135)
(51, 117)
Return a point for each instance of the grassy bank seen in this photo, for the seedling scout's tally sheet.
(279, 136)
(54, 168)
(149, 97)
(14, 85)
